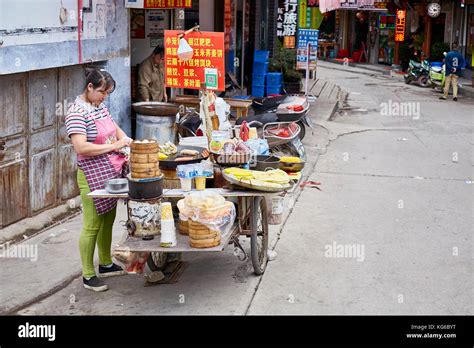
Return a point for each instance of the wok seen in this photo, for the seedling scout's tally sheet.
(155, 109)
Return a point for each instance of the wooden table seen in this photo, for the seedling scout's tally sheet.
(239, 105)
(324, 45)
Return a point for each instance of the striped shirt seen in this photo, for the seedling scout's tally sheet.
(80, 118)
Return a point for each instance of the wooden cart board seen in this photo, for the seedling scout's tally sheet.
(178, 193)
(137, 244)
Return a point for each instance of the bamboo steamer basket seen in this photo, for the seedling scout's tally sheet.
(205, 243)
(143, 158)
(144, 148)
(200, 236)
(183, 227)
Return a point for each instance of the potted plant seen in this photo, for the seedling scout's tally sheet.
(437, 51)
(284, 61)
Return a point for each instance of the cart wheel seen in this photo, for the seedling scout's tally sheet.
(302, 130)
(157, 261)
(259, 237)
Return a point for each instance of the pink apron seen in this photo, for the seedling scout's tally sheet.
(99, 169)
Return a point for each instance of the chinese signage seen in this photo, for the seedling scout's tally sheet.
(305, 37)
(304, 14)
(159, 4)
(287, 22)
(387, 21)
(206, 66)
(400, 26)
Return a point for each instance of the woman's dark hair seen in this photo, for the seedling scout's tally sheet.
(100, 79)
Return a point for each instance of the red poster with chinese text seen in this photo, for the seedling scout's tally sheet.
(208, 53)
(168, 4)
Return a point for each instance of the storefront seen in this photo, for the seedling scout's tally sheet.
(148, 22)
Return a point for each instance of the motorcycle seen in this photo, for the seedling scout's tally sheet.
(283, 109)
(418, 72)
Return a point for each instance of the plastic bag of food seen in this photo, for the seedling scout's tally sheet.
(222, 109)
(131, 262)
(209, 209)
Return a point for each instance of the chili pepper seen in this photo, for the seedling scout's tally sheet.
(244, 131)
(311, 184)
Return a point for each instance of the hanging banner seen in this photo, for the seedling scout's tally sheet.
(287, 22)
(400, 26)
(206, 66)
(305, 37)
(304, 15)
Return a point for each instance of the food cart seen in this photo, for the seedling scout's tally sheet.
(156, 167)
(251, 221)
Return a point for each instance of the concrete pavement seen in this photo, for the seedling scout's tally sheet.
(397, 202)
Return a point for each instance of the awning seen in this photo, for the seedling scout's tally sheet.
(365, 5)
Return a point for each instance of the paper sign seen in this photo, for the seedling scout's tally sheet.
(208, 54)
(306, 36)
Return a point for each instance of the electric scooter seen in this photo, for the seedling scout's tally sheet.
(418, 72)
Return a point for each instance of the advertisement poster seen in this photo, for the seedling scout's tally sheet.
(207, 64)
(305, 37)
(137, 23)
(155, 29)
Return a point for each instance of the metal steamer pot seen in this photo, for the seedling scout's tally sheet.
(139, 189)
(144, 218)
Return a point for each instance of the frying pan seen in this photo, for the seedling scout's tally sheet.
(170, 162)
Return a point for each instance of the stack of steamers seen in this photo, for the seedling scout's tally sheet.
(145, 189)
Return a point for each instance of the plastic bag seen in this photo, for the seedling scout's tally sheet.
(209, 209)
(185, 52)
(132, 262)
(259, 146)
(222, 109)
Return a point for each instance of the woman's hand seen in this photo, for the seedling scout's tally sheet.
(84, 148)
(121, 143)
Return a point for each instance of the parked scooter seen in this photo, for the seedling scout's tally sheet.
(418, 72)
(438, 74)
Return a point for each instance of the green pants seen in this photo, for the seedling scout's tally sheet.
(96, 229)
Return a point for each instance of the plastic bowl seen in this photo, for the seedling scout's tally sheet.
(292, 166)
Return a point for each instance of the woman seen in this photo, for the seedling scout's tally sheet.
(97, 140)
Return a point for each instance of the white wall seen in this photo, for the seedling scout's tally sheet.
(23, 16)
(206, 15)
(21, 20)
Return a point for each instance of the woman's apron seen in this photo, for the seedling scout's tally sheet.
(100, 169)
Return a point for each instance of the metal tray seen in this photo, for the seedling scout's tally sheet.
(170, 162)
(234, 181)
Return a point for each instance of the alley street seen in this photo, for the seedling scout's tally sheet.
(390, 232)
